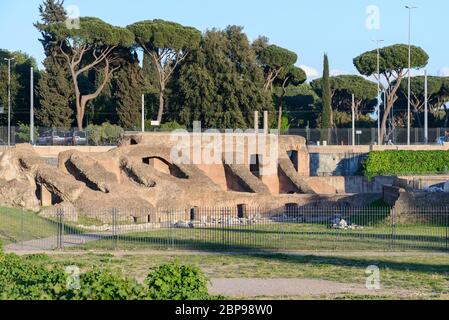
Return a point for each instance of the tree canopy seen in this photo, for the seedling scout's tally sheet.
(275, 60)
(342, 89)
(92, 32)
(221, 83)
(168, 43)
(92, 46)
(393, 62)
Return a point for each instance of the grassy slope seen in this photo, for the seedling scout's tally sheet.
(17, 225)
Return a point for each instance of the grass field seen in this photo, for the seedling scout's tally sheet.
(282, 236)
(17, 226)
(416, 275)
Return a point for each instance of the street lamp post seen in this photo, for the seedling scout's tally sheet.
(410, 8)
(9, 99)
(379, 138)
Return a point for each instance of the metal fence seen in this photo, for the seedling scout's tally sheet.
(369, 136)
(225, 229)
(336, 136)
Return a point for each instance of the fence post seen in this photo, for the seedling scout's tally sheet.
(60, 234)
(114, 229)
(22, 229)
(393, 227)
(447, 228)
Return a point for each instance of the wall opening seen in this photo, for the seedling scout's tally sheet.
(254, 166)
(294, 158)
(164, 166)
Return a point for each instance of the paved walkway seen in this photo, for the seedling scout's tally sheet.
(50, 243)
(253, 288)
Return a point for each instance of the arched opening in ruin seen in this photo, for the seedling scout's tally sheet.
(294, 158)
(254, 165)
(46, 197)
(164, 166)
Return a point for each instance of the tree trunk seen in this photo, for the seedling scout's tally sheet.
(161, 105)
(280, 114)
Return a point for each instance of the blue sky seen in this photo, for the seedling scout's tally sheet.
(307, 27)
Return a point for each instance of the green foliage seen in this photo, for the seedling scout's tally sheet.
(55, 92)
(221, 84)
(107, 285)
(105, 134)
(22, 279)
(55, 96)
(392, 59)
(347, 85)
(92, 31)
(177, 282)
(128, 87)
(344, 120)
(160, 34)
(23, 133)
(277, 57)
(32, 278)
(20, 85)
(326, 115)
(397, 163)
(170, 126)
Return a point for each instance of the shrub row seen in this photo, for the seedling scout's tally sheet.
(396, 163)
(24, 278)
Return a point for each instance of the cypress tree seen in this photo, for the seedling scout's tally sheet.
(326, 115)
(128, 86)
(55, 91)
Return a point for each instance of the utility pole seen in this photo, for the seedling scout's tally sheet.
(9, 99)
(353, 120)
(143, 113)
(32, 106)
(379, 138)
(426, 109)
(410, 8)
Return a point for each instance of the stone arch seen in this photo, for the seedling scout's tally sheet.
(164, 166)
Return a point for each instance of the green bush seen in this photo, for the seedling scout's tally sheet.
(23, 133)
(170, 126)
(106, 134)
(24, 280)
(177, 282)
(32, 278)
(108, 285)
(397, 163)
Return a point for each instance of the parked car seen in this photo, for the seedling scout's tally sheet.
(442, 140)
(68, 138)
(57, 138)
(79, 138)
(44, 138)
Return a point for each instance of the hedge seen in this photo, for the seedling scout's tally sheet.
(402, 163)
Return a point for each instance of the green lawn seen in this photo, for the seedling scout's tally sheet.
(17, 226)
(282, 236)
(422, 276)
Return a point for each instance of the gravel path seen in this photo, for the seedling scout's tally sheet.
(252, 288)
(50, 243)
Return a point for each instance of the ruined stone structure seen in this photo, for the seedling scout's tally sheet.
(140, 174)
